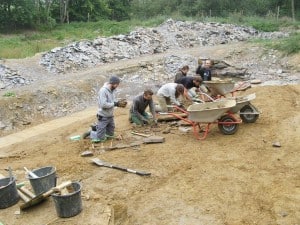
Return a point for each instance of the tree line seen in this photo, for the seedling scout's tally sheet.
(28, 14)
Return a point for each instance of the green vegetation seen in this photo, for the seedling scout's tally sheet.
(29, 26)
(290, 45)
(9, 94)
(266, 24)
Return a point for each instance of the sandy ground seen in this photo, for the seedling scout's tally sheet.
(224, 179)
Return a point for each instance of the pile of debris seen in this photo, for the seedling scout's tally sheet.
(169, 35)
(10, 78)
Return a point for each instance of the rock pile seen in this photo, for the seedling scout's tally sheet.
(10, 78)
(169, 35)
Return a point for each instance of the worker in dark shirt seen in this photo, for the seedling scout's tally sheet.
(205, 70)
(191, 84)
(138, 115)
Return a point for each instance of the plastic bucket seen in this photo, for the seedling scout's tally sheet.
(70, 204)
(45, 181)
(8, 192)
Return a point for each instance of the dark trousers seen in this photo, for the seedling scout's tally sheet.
(105, 126)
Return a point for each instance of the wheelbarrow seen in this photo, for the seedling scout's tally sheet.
(223, 87)
(220, 87)
(208, 113)
(247, 111)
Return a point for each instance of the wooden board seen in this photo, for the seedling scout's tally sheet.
(168, 117)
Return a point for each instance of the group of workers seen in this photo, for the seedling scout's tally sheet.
(168, 94)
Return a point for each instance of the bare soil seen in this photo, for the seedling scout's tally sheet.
(224, 179)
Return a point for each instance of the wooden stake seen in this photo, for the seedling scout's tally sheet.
(141, 134)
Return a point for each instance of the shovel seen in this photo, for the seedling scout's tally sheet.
(106, 164)
(32, 174)
(41, 197)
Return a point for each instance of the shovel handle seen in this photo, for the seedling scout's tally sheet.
(26, 191)
(23, 196)
(141, 134)
(57, 188)
(141, 173)
(33, 175)
(105, 164)
(11, 178)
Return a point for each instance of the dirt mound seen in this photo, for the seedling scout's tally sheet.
(234, 179)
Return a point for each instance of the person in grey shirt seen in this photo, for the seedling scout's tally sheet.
(168, 94)
(138, 115)
(106, 102)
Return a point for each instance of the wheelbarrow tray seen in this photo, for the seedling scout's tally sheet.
(209, 112)
(220, 87)
(241, 101)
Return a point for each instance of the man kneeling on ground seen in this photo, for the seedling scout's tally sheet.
(138, 115)
(106, 102)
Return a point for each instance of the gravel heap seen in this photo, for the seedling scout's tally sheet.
(10, 78)
(169, 35)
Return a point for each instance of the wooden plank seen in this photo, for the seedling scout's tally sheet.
(168, 117)
(154, 139)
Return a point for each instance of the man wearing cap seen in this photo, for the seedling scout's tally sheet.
(106, 103)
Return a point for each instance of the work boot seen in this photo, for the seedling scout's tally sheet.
(94, 127)
(109, 137)
(85, 135)
(97, 140)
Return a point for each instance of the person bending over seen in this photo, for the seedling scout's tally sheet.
(191, 84)
(169, 94)
(181, 73)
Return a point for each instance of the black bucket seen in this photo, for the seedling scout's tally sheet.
(45, 181)
(8, 192)
(70, 204)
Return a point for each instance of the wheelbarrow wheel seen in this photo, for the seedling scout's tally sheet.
(230, 128)
(248, 118)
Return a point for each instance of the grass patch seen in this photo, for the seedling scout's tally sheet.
(9, 94)
(266, 24)
(21, 47)
(290, 45)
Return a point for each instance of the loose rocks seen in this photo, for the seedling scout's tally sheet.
(169, 35)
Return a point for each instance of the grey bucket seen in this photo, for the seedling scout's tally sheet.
(70, 204)
(45, 181)
(8, 192)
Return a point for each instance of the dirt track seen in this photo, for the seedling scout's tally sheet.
(235, 179)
